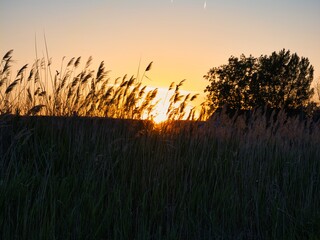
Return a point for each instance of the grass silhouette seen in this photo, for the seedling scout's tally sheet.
(85, 92)
(68, 177)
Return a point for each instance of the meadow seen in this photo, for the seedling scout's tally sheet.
(86, 166)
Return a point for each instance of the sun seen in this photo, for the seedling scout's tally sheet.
(160, 116)
(160, 111)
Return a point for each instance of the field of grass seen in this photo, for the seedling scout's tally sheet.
(90, 178)
(64, 176)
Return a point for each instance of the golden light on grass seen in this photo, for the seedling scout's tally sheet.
(90, 93)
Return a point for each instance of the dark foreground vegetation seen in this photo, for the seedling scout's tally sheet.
(246, 173)
(92, 178)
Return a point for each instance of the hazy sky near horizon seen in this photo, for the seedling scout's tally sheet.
(184, 38)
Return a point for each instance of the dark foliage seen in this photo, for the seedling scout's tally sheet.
(276, 81)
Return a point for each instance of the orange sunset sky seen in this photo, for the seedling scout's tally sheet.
(183, 38)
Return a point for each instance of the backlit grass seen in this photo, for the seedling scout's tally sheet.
(65, 176)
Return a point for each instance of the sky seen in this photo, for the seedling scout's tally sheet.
(183, 38)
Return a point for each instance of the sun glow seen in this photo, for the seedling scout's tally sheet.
(160, 114)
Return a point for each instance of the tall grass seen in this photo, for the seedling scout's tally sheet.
(93, 178)
(66, 177)
(71, 91)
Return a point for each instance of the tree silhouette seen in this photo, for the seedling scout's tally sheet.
(279, 80)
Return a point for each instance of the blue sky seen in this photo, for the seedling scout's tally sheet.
(181, 37)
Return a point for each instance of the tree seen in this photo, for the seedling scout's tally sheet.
(279, 80)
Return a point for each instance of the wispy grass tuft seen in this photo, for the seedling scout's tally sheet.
(80, 92)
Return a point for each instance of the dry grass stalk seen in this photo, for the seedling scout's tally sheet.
(85, 93)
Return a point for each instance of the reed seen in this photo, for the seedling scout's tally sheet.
(68, 177)
(80, 92)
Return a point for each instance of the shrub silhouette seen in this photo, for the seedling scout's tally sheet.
(276, 81)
